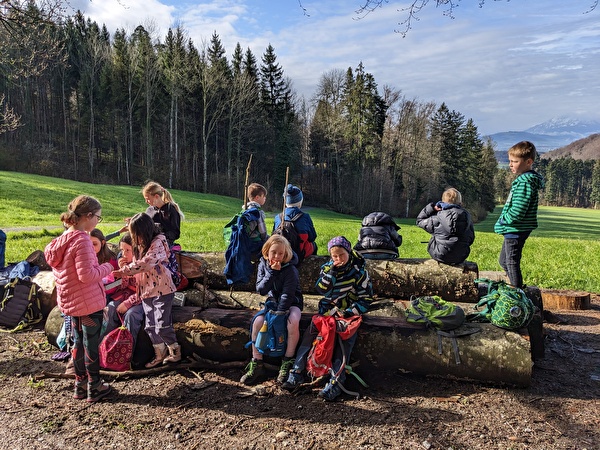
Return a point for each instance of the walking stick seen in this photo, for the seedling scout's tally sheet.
(287, 176)
(246, 182)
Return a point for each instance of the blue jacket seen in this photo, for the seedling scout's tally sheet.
(283, 285)
(304, 227)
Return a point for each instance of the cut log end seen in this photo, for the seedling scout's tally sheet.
(570, 300)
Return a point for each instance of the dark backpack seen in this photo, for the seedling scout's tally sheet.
(20, 305)
(287, 229)
(504, 306)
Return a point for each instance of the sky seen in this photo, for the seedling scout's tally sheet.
(508, 65)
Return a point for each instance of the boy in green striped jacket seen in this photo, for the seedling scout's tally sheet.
(519, 215)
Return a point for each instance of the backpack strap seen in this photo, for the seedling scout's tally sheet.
(453, 335)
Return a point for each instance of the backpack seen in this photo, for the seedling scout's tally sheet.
(435, 312)
(244, 244)
(275, 342)
(116, 349)
(319, 360)
(504, 306)
(287, 229)
(20, 305)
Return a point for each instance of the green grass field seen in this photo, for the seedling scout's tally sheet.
(561, 254)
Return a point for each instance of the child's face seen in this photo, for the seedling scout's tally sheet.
(339, 256)
(97, 243)
(519, 165)
(260, 199)
(126, 252)
(153, 200)
(276, 253)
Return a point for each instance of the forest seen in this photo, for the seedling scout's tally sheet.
(78, 103)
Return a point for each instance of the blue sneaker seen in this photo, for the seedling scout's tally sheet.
(330, 392)
(294, 380)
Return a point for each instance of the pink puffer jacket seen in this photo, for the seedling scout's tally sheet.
(77, 273)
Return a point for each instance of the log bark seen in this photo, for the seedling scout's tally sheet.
(573, 300)
(400, 278)
(47, 290)
(490, 355)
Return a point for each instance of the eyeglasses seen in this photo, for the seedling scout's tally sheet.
(98, 217)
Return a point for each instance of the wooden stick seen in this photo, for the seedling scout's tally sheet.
(287, 176)
(246, 182)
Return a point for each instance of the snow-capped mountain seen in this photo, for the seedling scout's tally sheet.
(549, 135)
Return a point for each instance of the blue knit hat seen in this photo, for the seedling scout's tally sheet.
(293, 195)
(340, 241)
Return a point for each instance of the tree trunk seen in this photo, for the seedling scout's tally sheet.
(572, 300)
(490, 354)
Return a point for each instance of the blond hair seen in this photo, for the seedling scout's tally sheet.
(278, 239)
(154, 188)
(453, 196)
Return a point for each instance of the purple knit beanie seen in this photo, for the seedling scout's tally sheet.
(340, 241)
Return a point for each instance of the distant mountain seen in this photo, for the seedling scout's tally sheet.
(586, 148)
(550, 135)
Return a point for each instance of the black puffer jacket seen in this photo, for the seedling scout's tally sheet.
(451, 232)
(378, 235)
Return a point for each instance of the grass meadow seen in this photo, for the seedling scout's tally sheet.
(561, 254)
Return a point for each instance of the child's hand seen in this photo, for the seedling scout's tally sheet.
(275, 265)
(117, 274)
(121, 309)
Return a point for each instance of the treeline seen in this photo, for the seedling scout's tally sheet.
(126, 108)
(571, 182)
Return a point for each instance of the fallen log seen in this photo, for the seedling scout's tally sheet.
(489, 355)
(573, 300)
(399, 278)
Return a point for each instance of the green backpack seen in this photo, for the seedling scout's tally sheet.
(435, 312)
(504, 306)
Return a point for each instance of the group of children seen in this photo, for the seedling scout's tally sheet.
(81, 263)
(147, 289)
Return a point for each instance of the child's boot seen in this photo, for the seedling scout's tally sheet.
(254, 370)
(160, 353)
(174, 354)
(81, 388)
(284, 370)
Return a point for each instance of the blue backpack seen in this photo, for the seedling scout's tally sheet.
(243, 246)
(275, 343)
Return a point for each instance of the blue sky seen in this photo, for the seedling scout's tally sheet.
(507, 65)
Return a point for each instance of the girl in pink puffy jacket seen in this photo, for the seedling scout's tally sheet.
(80, 292)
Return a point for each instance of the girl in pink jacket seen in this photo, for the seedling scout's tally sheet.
(155, 286)
(80, 292)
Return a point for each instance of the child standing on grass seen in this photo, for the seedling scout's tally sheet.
(278, 279)
(156, 288)
(519, 215)
(125, 305)
(80, 292)
(257, 196)
(163, 210)
(347, 290)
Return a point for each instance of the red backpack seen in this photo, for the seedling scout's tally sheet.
(321, 353)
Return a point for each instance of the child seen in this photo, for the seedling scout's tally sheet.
(519, 215)
(80, 292)
(347, 290)
(378, 237)
(156, 288)
(278, 278)
(450, 226)
(125, 305)
(163, 210)
(257, 196)
(302, 222)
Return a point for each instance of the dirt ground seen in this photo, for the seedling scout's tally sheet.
(181, 409)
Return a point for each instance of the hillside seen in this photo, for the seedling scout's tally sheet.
(585, 149)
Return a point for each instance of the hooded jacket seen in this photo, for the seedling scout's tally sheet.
(283, 285)
(152, 276)
(378, 234)
(520, 210)
(451, 230)
(77, 273)
(305, 228)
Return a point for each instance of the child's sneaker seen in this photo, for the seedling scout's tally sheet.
(294, 380)
(330, 392)
(284, 370)
(80, 391)
(94, 394)
(254, 370)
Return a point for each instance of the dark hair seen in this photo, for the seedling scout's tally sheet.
(142, 231)
(105, 254)
(80, 206)
(126, 238)
(254, 190)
